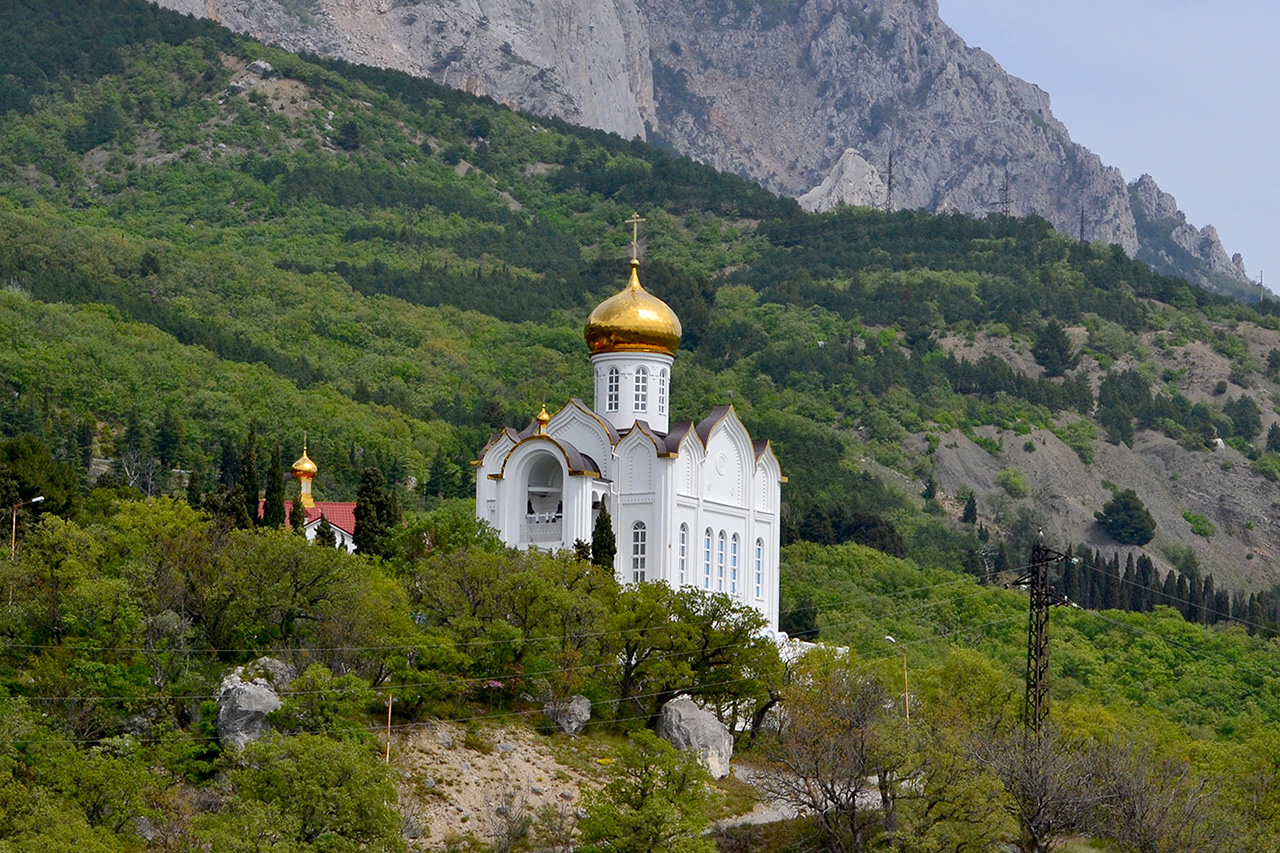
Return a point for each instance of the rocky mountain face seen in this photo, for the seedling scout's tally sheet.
(833, 101)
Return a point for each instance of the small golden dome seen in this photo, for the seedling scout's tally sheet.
(304, 467)
(543, 419)
(633, 321)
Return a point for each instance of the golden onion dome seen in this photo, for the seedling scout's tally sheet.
(304, 467)
(633, 321)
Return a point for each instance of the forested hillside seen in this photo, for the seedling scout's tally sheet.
(212, 251)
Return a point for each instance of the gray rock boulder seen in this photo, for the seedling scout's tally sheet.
(570, 715)
(245, 698)
(686, 726)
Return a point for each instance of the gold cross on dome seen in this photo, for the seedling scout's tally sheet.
(634, 222)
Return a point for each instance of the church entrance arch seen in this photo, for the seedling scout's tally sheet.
(544, 498)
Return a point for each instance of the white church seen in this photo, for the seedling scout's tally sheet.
(692, 504)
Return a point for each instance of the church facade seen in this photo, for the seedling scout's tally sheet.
(692, 504)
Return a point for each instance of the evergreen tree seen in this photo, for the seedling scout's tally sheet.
(1181, 595)
(1273, 438)
(248, 479)
(169, 434)
(1169, 590)
(1112, 599)
(1126, 519)
(1053, 351)
(970, 514)
(1147, 582)
(1071, 581)
(604, 545)
(195, 494)
(273, 497)
(930, 488)
(324, 533)
(1130, 593)
(374, 513)
(298, 514)
(1195, 600)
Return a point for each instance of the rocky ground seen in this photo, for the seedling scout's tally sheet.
(1170, 479)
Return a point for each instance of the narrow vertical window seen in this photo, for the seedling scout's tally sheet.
(684, 553)
(662, 391)
(642, 389)
(637, 552)
(706, 560)
(720, 562)
(733, 566)
(612, 391)
(759, 568)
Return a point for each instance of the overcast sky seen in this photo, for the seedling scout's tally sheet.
(1188, 92)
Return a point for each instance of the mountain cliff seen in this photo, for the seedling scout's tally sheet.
(867, 102)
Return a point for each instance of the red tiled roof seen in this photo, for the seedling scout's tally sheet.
(341, 514)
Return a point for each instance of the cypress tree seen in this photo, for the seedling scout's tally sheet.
(248, 479)
(1207, 600)
(298, 514)
(324, 533)
(1169, 591)
(1113, 596)
(1130, 594)
(604, 545)
(1183, 593)
(970, 509)
(373, 513)
(273, 497)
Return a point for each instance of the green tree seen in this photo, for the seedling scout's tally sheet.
(1246, 417)
(298, 515)
(1273, 438)
(374, 513)
(325, 536)
(1126, 519)
(273, 497)
(246, 486)
(604, 544)
(307, 792)
(1053, 350)
(970, 514)
(657, 801)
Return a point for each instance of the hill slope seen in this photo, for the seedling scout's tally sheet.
(816, 99)
(404, 267)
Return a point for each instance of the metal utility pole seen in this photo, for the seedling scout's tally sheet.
(1082, 224)
(1043, 596)
(1006, 194)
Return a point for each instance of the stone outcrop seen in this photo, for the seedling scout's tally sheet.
(1169, 240)
(245, 698)
(853, 182)
(686, 726)
(570, 715)
(777, 92)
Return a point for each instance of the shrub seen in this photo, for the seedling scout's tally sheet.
(1200, 524)
(1014, 481)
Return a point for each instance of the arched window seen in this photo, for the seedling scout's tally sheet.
(733, 566)
(684, 553)
(759, 568)
(720, 562)
(706, 560)
(642, 389)
(637, 552)
(612, 391)
(662, 391)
